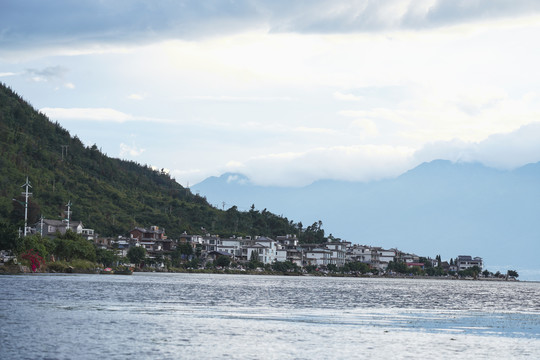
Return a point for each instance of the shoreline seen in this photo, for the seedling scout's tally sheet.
(25, 270)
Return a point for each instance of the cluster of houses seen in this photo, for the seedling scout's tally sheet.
(242, 249)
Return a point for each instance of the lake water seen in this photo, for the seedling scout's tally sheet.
(203, 316)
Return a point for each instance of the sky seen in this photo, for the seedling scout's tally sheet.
(285, 92)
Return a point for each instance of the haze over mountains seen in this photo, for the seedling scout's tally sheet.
(439, 207)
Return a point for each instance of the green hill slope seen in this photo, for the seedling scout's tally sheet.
(109, 195)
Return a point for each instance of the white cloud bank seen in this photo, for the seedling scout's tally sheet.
(289, 92)
(371, 162)
(98, 115)
(501, 151)
(132, 151)
(354, 163)
(93, 114)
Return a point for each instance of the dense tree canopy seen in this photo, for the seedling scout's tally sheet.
(136, 254)
(109, 195)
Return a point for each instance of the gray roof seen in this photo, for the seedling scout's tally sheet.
(60, 222)
(224, 253)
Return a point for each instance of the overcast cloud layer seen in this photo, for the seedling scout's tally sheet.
(286, 92)
(35, 21)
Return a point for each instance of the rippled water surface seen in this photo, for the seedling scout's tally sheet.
(200, 316)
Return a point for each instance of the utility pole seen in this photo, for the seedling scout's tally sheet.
(41, 223)
(26, 194)
(68, 213)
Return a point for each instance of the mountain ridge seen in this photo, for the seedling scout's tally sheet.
(438, 207)
(107, 194)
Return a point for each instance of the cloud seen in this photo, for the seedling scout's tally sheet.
(93, 114)
(237, 98)
(371, 162)
(50, 73)
(375, 162)
(449, 112)
(6, 74)
(130, 150)
(347, 97)
(99, 114)
(136, 97)
(355, 163)
(501, 151)
(236, 179)
(36, 23)
(366, 126)
(368, 16)
(319, 85)
(312, 130)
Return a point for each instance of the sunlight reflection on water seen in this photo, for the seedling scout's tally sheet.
(234, 316)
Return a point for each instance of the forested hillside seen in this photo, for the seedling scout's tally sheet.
(107, 194)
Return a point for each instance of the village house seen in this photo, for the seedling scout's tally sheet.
(265, 248)
(288, 250)
(154, 233)
(416, 264)
(122, 244)
(447, 267)
(288, 241)
(293, 255)
(464, 262)
(365, 254)
(385, 256)
(214, 254)
(49, 228)
(153, 239)
(338, 251)
(210, 242)
(193, 240)
(318, 257)
(408, 258)
(233, 246)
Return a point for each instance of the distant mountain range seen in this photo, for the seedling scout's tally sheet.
(439, 207)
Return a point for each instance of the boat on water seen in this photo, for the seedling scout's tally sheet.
(126, 271)
(107, 271)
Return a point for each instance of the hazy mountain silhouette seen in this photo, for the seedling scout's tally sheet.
(436, 208)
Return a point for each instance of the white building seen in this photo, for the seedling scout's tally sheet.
(265, 248)
(385, 256)
(365, 254)
(318, 257)
(210, 242)
(289, 241)
(338, 253)
(292, 255)
(232, 246)
(49, 227)
(465, 262)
